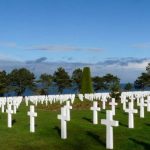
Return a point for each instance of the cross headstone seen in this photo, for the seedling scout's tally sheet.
(109, 122)
(95, 109)
(9, 112)
(124, 103)
(104, 100)
(131, 112)
(63, 119)
(113, 104)
(132, 98)
(148, 103)
(15, 106)
(3, 106)
(68, 107)
(26, 101)
(32, 115)
(142, 105)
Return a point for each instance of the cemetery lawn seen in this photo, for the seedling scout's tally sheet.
(82, 134)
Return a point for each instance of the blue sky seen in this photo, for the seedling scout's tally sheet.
(87, 31)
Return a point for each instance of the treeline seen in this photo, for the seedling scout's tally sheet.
(143, 81)
(20, 80)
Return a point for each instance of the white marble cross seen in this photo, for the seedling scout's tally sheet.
(124, 103)
(32, 115)
(142, 105)
(68, 107)
(63, 119)
(26, 101)
(3, 106)
(15, 106)
(104, 100)
(132, 98)
(138, 100)
(131, 112)
(9, 112)
(95, 109)
(113, 104)
(148, 103)
(109, 122)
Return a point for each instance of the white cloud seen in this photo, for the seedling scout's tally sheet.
(49, 47)
(127, 72)
(142, 46)
(61, 48)
(8, 44)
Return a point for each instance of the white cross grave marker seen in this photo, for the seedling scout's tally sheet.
(113, 104)
(32, 115)
(104, 100)
(15, 106)
(142, 105)
(68, 107)
(148, 103)
(131, 112)
(109, 122)
(9, 112)
(95, 108)
(3, 106)
(63, 119)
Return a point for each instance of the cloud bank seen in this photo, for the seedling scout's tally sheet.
(49, 47)
(127, 69)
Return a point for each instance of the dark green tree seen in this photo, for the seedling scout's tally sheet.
(110, 80)
(98, 83)
(115, 90)
(86, 86)
(61, 79)
(20, 80)
(76, 79)
(3, 83)
(143, 81)
(128, 87)
(45, 81)
(148, 68)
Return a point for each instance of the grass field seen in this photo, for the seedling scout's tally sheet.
(82, 134)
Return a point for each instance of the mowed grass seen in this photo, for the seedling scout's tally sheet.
(82, 134)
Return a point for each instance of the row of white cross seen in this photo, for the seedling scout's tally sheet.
(128, 99)
(49, 99)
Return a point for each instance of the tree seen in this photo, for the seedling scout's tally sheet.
(98, 83)
(20, 80)
(148, 68)
(138, 84)
(128, 87)
(115, 90)
(86, 86)
(76, 78)
(61, 79)
(143, 81)
(3, 83)
(110, 80)
(46, 81)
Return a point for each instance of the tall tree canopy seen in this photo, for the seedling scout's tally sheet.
(20, 80)
(3, 83)
(110, 80)
(61, 79)
(46, 81)
(128, 87)
(98, 83)
(76, 78)
(86, 81)
(144, 80)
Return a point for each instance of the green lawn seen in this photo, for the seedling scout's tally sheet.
(82, 134)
